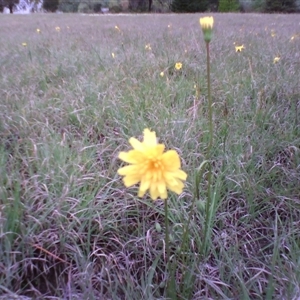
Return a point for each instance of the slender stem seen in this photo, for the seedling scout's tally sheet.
(209, 101)
(210, 111)
(167, 233)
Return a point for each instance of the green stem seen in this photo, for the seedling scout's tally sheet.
(167, 245)
(209, 101)
(210, 112)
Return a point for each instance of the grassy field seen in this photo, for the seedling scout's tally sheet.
(72, 94)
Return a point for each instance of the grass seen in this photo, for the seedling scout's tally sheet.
(69, 229)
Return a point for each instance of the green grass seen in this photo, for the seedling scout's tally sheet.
(69, 229)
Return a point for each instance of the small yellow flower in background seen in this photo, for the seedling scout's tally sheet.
(57, 28)
(113, 55)
(276, 59)
(24, 44)
(292, 38)
(162, 74)
(239, 48)
(117, 28)
(273, 34)
(178, 66)
(207, 24)
(153, 168)
(197, 91)
(38, 30)
(148, 47)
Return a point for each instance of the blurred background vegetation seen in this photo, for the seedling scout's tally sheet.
(184, 6)
(162, 6)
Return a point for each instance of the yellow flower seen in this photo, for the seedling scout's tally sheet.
(197, 89)
(117, 28)
(207, 24)
(153, 168)
(148, 47)
(57, 28)
(276, 59)
(239, 48)
(113, 55)
(24, 44)
(178, 66)
(162, 74)
(273, 34)
(38, 30)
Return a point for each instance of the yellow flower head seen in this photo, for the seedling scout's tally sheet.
(117, 28)
(38, 30)
(148, 47)
(162, 74)
(178, 66)
(112, 55)
(153, 168)
(24, 44)
(57, 28)
(207, 24)
(239, 48)
(273, 34)
(276, 59)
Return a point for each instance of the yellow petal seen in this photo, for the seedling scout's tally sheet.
(162, 189)
(145, 184)
(141, 193)
(157, 150)
(129, 170)
(154, 194)
(171, 160)
(177, 188)
(136, 144)
(132, 156)
(131, 180)
(150, 138)
(180, 174)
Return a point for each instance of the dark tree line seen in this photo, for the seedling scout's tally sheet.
(8, 3)
(184, 6)
(285, 6)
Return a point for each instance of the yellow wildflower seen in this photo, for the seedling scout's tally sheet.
(239, 48)
(113, 55)
(117, 28)
(178, 66)
(276, 59)
(38, 30)
(207, 24)
(148, 47)
(57, 28)
(153, 168)
(162, 74)
(24, 44)
(273, 34)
